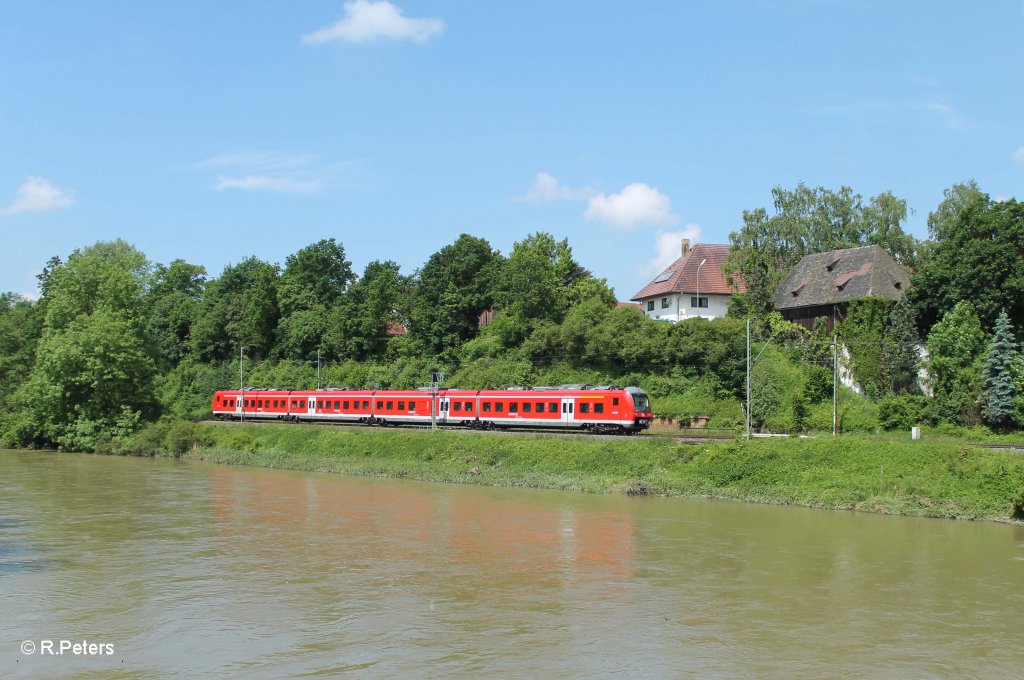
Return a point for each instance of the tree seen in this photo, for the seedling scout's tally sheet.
(371, 305)
(314, 277)
(997, 402)
(173, 301)
(954, 347)
(807, 221)
(979, 256)
(109, 275)
(900, 358)
(539, 282)
(239, 310)
(450, 291)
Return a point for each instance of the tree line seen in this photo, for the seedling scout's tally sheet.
(116, 341)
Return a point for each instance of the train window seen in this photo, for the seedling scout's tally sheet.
(540, 407)
(552, 407)
(469, 406)
(458, 405)
(366, 404)
(380, 405)
(527, 406)
(487, 407)
(401, 406)
(598, 408)
(259, 403)
(584, 407)
(615, 401)
(498, 406)
(513, 407)
(391, 406)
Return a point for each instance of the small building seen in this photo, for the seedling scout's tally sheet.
(822, 285)
(677, 294)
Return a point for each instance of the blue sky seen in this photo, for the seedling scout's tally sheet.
(214, 131)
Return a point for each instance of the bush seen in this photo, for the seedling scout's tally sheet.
(903, 412)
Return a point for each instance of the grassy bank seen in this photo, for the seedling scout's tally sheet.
(910, 478)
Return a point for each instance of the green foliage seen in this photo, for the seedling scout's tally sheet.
(955, 345)
(978, 256)
(1000, 390)
(862, 332)
(84, 378)
(902, 412)
(240, 310)
(173, 302)
(451, 290)
(899, 358)
(359, 328)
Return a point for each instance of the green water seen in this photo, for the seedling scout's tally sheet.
(195, 570)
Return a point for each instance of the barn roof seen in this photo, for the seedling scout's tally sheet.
(681, 275)
(841, 276)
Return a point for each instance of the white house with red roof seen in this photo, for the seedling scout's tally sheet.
(692, 286)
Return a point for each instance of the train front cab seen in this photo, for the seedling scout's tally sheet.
(642, 414)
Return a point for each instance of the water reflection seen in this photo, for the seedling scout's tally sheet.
(194, 569)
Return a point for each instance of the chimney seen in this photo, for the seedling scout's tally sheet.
(685, 247)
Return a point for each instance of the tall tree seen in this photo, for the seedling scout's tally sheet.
(1000, 391)
(239, 310)
(955, 345)
(451, 290)
(173, 301)
(900, 358)
(979, 256)
(369, 308)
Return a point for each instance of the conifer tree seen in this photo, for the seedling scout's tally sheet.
(997, 402)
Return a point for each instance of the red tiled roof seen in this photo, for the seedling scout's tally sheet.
(630, 305)
(684, 274)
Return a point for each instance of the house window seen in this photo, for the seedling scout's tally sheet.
(650, 305)
(703, 302)
(664, 303)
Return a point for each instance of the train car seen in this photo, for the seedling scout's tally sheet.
(568, 407)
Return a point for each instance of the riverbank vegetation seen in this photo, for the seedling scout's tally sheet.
(932, 479)
(117, 344)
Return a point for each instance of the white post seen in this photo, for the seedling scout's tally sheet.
(698, 284)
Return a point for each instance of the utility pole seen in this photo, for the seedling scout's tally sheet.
(835, 385)
(241, 380)
(698, 285)
(748, 375)
(318, 368)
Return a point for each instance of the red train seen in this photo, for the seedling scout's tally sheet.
(569, 407)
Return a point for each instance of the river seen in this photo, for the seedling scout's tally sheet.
(187, 569)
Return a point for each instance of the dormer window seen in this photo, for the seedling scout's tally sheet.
(831, 265)
(799, 287)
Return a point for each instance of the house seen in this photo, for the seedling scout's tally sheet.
(824, 284)
(692, 286)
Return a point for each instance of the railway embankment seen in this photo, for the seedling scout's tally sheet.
(939, 479)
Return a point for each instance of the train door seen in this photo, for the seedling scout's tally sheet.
(442, 409)
(238, 406)
(568, 415)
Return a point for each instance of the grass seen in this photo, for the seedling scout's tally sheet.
(935, 479)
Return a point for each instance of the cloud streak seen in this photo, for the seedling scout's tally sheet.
(38, 194)
(366, 20)
(264, 171)
(1018, 156)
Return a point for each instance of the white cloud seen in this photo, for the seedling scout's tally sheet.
(366, 20)
(38, 194)
(258, 182)
(667, 248)
(636, 204)
(547, 189)
(265, 160)
(1018, 155)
